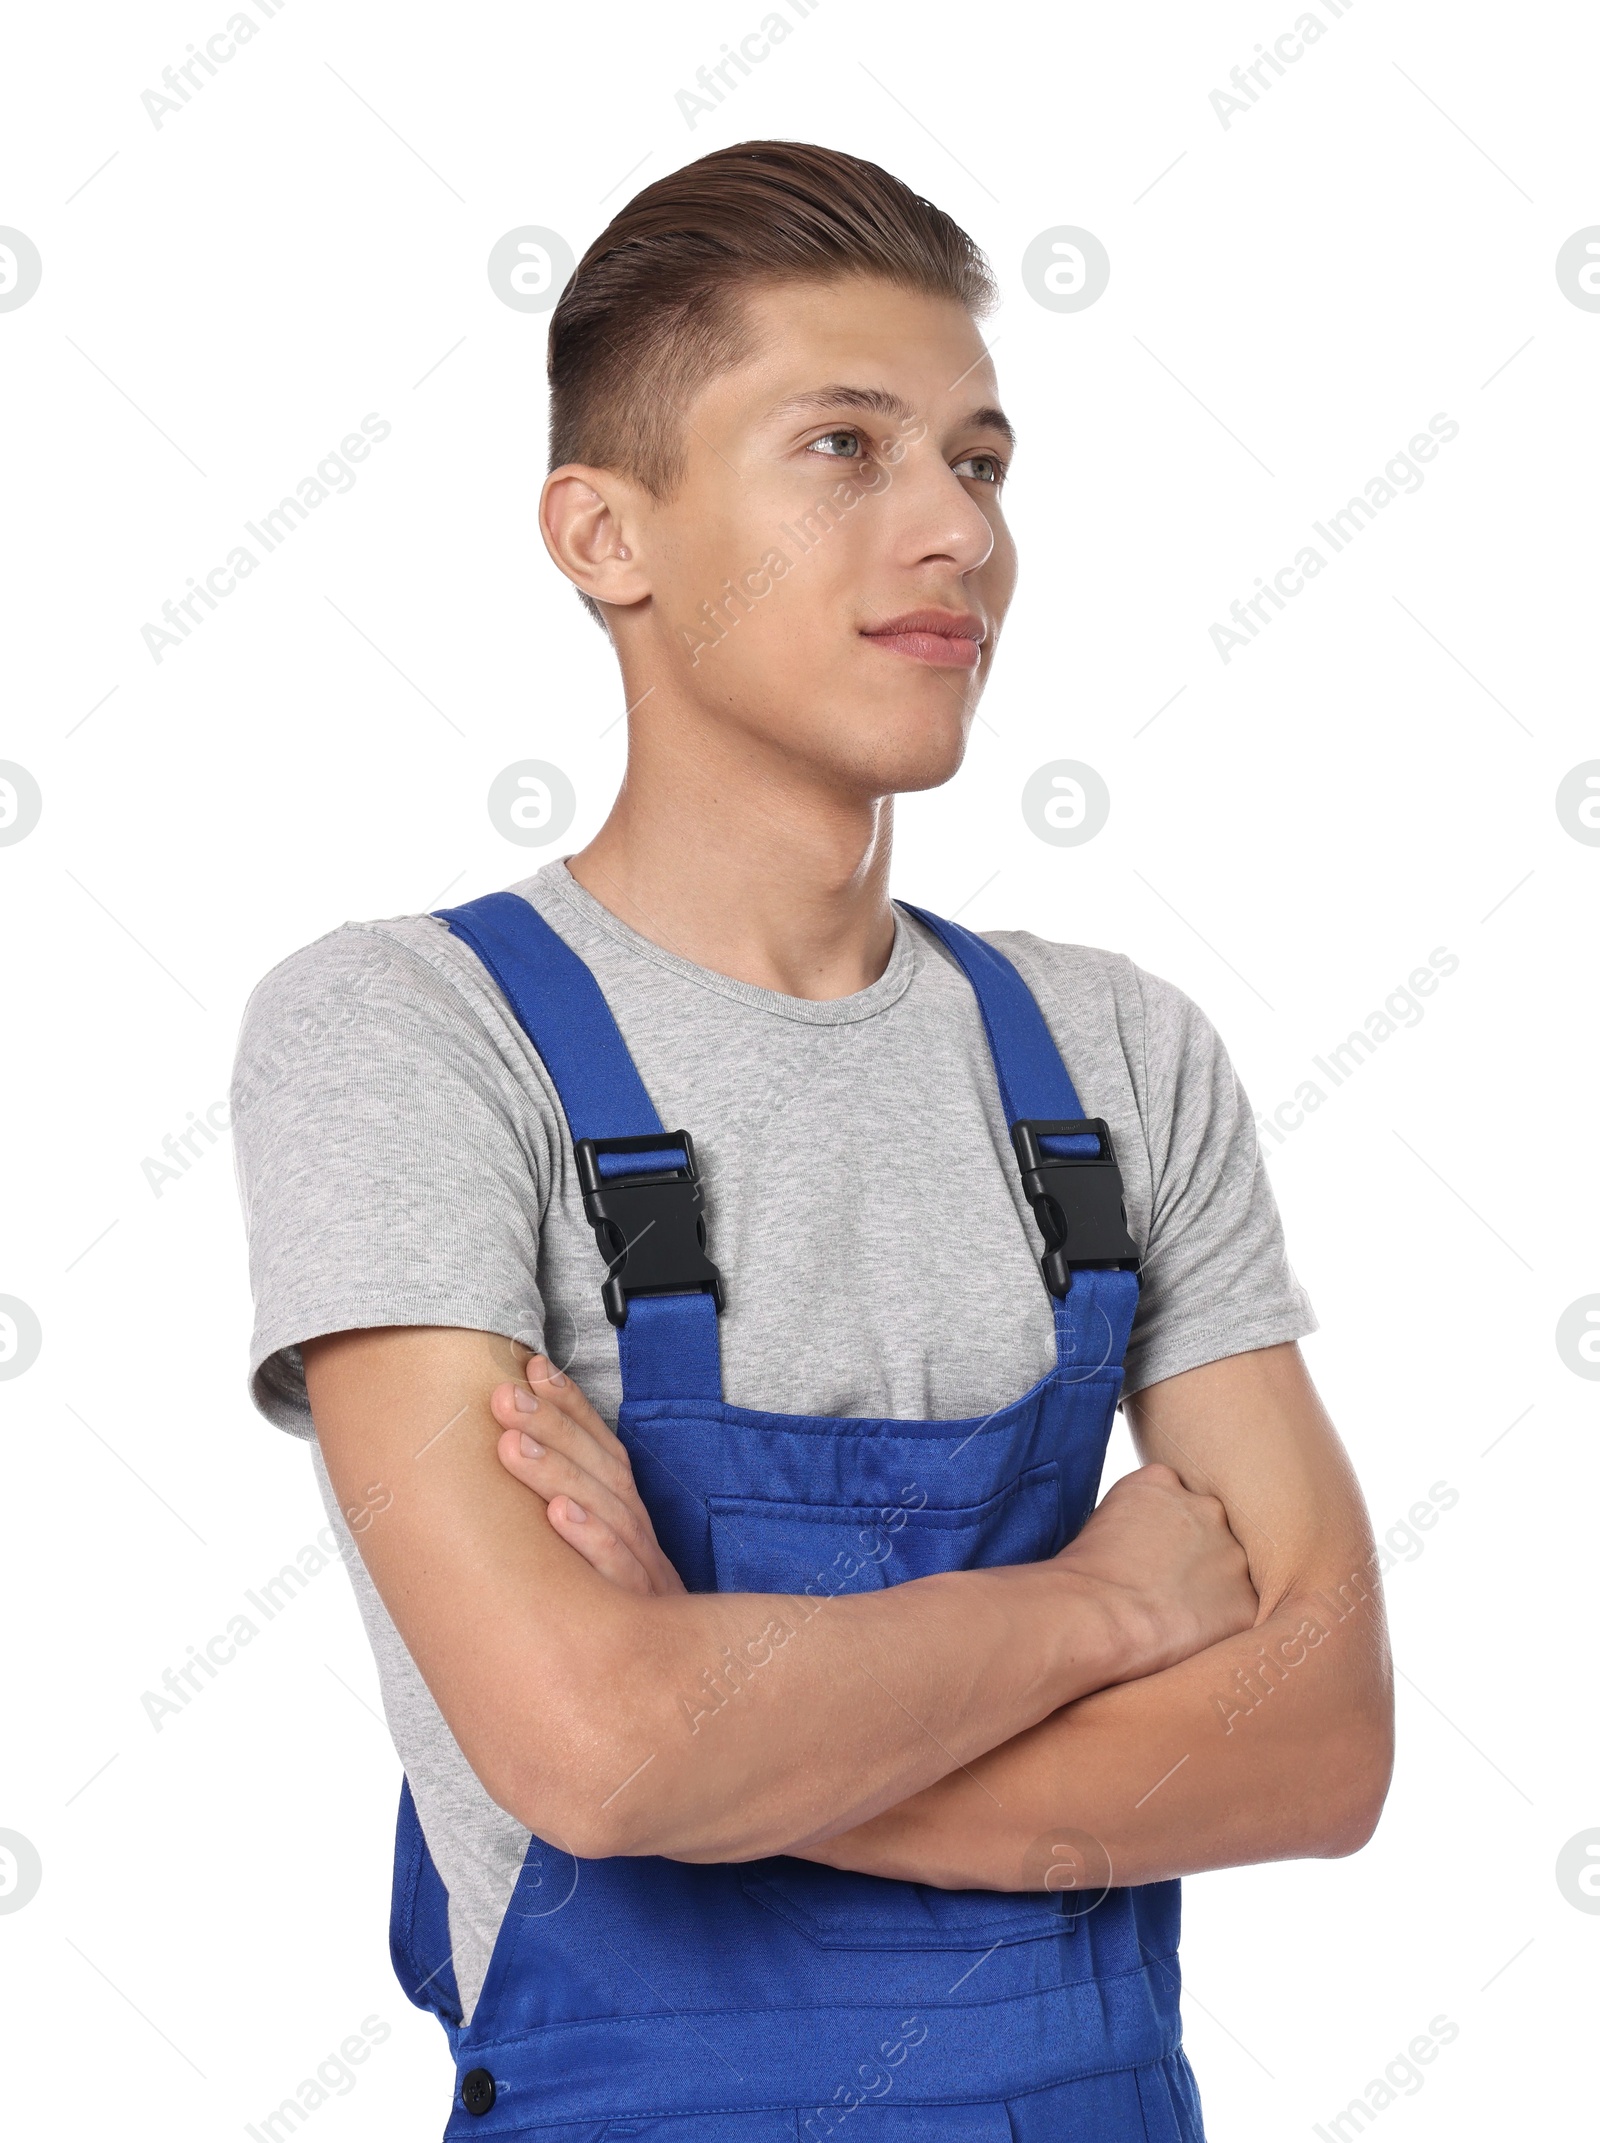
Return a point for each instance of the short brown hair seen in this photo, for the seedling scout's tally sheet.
(652, 309)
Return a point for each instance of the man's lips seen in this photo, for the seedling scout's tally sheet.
(951, 638)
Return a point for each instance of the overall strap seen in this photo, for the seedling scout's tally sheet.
(1069, 1171)
(641, 1189)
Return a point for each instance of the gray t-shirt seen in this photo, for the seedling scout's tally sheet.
(402, 1159)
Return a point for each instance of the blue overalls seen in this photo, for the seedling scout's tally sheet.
(777, 2001)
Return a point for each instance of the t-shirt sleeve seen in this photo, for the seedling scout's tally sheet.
(1215, 1279)
(390, 1171)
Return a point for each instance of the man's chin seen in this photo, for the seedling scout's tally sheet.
(916, 741)
(913, 757)
(925, 772)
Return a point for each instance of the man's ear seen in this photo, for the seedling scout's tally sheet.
(584, 516)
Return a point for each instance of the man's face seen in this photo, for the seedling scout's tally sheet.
(831, 573)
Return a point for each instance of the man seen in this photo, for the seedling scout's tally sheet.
(787, 1744)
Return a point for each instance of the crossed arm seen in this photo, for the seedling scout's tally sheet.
(1272, 1744)
(1140, 1687)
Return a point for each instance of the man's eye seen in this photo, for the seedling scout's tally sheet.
(984, 468)
(839, 446)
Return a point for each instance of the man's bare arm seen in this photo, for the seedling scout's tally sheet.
(565, 1691)
(1274, 1744)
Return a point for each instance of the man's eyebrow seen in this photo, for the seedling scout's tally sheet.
(993, 420)
(872, 401)
(881, 402)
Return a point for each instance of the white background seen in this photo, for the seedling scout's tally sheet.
(1292, 297)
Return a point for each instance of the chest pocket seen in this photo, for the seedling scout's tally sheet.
(826, 1549)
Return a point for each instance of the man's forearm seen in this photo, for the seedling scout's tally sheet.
(757, 1718)
(719, 1726)
(873, 1689)
(1272, 1745)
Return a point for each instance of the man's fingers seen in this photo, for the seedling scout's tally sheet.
(552, 1475)
(552, 1415)
(595, 1541)
(552, 1384)
(553, 1387)
(580, 1456)
(550, 1471)
(605, 1536)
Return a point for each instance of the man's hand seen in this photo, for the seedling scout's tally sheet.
(1169, 1554)
(555, 1443)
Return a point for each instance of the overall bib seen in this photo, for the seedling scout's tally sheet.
(776, 2001)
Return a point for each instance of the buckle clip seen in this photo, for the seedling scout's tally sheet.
(650, 1227)
(1077, 1201)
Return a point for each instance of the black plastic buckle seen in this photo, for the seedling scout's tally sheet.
(650, 1227)
(1077, 1201)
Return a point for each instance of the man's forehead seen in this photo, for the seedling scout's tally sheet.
(863, 333)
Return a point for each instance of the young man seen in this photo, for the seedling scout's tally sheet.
(790, 1742)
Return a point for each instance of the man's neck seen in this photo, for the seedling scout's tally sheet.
(746, 868)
